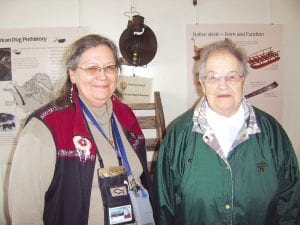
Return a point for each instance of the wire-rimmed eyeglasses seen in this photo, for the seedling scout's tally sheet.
(232, 77)
(94, 70)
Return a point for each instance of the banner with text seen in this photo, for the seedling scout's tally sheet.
(264, 47)
(30, 64)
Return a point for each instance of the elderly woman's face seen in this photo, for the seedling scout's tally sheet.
(224, 84)
(95, 84)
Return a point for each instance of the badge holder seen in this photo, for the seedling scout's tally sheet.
(115, 196)
(141, 207)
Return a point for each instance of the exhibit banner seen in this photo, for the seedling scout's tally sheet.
(264, 47)
(30, 65)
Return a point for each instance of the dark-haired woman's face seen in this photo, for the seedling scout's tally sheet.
(95, 84)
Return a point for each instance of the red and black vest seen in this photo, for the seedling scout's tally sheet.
(67, 199)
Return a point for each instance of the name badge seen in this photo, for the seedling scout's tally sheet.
(120, 214)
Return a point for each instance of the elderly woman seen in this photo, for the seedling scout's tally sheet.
(226, 162)
(54, 178)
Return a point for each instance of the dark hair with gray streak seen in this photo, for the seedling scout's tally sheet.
(224, 45)
(72, 58)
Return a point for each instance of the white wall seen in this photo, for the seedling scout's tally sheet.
(168, 19)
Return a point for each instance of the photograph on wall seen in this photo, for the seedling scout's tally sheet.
(5, 64)
(264, 49)
(30, 65)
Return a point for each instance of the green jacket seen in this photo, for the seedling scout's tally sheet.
(258, 184)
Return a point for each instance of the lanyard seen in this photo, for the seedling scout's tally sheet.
(119, 143)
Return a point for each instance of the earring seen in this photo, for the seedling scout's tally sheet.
(71, 97)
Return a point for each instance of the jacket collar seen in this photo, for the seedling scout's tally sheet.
(201, 125)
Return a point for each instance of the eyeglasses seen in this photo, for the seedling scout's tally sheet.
(94, 70)
(232, 78)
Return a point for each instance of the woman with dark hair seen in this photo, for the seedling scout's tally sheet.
(79, 157)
